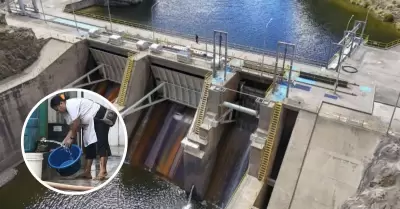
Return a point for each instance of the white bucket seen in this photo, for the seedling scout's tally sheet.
(35, 161)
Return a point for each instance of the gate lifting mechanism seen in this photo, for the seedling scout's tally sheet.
(221, 36)
(285, 46)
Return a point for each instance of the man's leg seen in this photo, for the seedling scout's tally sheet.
(103, 147)
(90, 155)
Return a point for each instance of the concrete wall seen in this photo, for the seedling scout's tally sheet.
(198, 170)
(16, 103)
(137, 88)
(291, 164)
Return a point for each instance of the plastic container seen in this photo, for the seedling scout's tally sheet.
(31, 132)
(64, 162)
(35, 163)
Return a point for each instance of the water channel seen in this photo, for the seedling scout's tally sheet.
(310, 24)
(131, 188)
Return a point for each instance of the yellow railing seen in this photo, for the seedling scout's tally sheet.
(203, 103)
(383, 45)
(269, 143)
(125, 80)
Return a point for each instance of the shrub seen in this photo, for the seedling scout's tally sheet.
(388, 17)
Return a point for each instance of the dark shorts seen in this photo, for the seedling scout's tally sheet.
(90, 151)
(102, 129)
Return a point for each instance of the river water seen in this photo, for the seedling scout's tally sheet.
(310, 24)
(131, 188)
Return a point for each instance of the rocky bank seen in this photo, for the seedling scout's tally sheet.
(380, 185)
(387, 10)
(19, 48)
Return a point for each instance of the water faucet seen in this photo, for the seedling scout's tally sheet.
(43, 139)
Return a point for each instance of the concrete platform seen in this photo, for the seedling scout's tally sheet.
(377, 67)
(246, 193)
(112, 165)
(333, 164)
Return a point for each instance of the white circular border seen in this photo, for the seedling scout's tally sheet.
(119, 117)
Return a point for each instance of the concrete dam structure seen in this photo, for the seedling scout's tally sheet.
(244, 134)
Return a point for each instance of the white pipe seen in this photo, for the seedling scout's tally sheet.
(240, 108)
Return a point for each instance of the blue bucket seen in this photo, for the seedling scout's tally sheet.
(64, 162)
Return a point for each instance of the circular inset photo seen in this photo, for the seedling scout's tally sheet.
(74, 141)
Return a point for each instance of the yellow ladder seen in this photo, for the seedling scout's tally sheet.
(203, 103)
(125, 80)
(269, 143)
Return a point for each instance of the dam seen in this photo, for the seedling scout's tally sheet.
(247, 130)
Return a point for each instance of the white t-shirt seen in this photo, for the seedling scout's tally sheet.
(86, 110)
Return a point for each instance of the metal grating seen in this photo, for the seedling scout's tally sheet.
(179, 87)
(114, 65)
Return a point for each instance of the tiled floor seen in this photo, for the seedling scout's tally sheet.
(112, 166)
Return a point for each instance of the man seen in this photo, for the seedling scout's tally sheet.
(197, 39)
(81, 112)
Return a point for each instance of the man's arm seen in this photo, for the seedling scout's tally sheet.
(74, 128)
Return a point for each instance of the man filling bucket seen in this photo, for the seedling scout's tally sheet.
(95, 121)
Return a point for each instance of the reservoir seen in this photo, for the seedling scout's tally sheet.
(311, 24)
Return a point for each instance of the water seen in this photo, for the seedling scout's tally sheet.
(132, 188)
(52, 141)
(189, 203)
(310, 24)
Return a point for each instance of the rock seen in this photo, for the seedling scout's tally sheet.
(380, 185)
(19, 48)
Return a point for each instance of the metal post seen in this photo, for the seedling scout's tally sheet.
(290, 72)
(284, 58)
(73, 11)
(338, 69)
(8, 6)
(329, 55)
(226, 54)
(214, 70)
(365, 24)
(265, 45)
(44, 15)
(340, 56)
(22, 7)
(109, 14)
(276, 65)
(352, 43)
(219, 51)
(151, 10)
(347, 27)
(394, 111)
(35, 8)
(206, 50)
